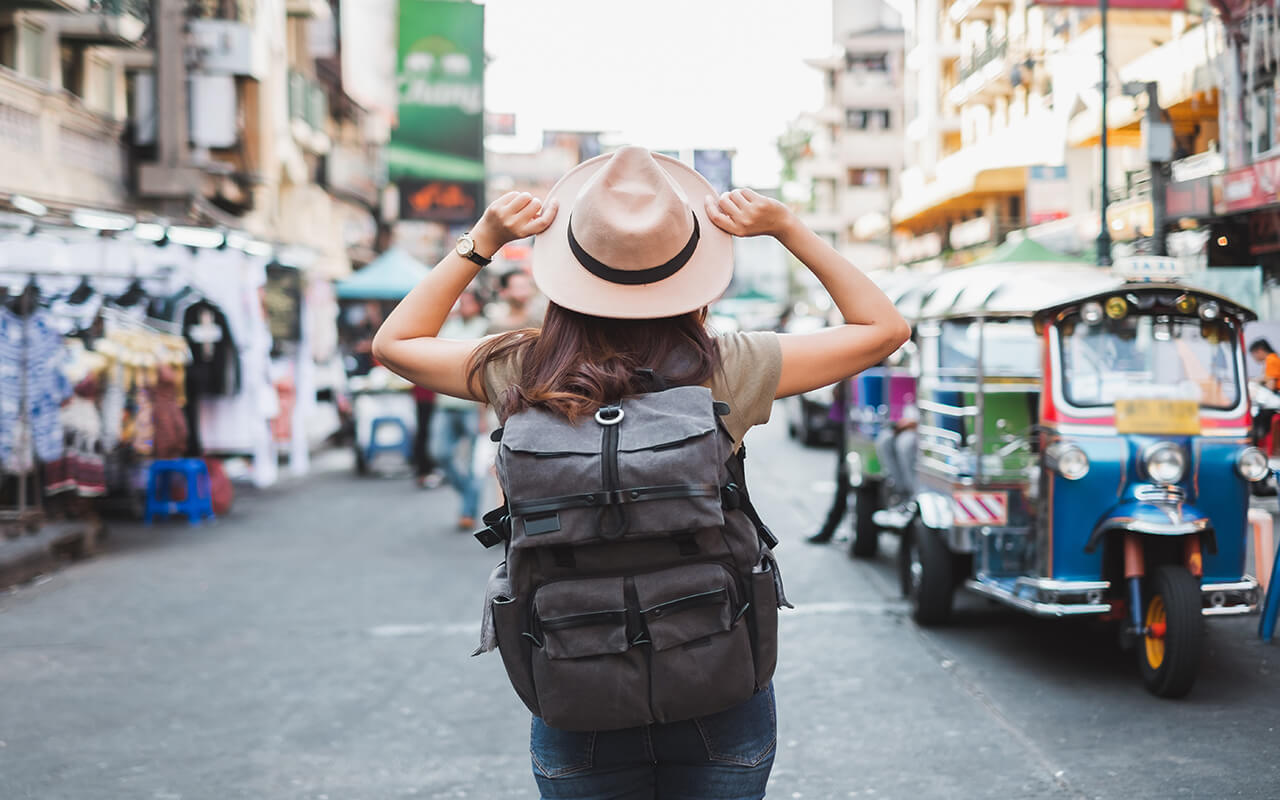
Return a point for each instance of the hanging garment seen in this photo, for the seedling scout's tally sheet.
(215, 362)
(82, 468)
(31, 354)
(167, 418)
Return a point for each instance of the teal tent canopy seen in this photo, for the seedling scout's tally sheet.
(1027, 251)
(390, 276)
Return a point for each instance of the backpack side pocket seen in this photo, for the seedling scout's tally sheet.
(515, 647)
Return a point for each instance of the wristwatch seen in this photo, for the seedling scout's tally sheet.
(466, 248)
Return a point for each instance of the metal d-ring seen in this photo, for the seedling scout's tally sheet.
(614, 420)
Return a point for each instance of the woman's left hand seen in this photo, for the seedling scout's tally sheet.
(743, 212)
(514, 215)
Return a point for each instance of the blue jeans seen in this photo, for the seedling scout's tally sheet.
(451, 427)
(725, 756)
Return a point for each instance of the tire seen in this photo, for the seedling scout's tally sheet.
(926, 572)
(865, 541)
(805, 431)
(1171, 663)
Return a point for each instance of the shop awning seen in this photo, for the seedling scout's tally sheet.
(390, 276)
(960, 193)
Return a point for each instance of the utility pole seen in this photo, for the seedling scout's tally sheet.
(1157, 136)
(1104, 231)
(171, 180)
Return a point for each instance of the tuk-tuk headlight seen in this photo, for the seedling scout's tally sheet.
(1091, 312)
(1068, 459)
(1165, 462)
(1252, 465)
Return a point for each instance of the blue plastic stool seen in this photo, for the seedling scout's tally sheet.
(198, 505)
(404, 446)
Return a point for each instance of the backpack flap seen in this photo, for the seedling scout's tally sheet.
(582, 618)
(653, 468)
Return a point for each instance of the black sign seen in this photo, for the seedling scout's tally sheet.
(282, 301)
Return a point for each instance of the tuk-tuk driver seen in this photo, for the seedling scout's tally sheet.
(1263, 353)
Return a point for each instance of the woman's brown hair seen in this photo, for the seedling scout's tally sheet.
(576, 362)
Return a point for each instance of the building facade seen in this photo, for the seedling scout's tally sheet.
(1004, 125)
(855, 152)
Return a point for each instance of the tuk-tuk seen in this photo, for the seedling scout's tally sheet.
(1088, 457)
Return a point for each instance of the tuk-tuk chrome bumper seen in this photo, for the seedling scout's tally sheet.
(1230, 599)
(1045, 597)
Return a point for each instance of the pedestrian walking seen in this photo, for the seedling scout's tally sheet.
(518, 303)
(631, 249)
(456, 422)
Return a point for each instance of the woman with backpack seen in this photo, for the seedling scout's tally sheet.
(631, 249)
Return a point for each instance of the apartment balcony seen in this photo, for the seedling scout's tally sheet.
(859, 201)
(863, 91)
(962, 10)
(307, 8)
(985, 72)
(872, 148)
(56, 150)
(309, 112)
(110, 23)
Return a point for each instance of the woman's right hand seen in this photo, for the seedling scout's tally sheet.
(515, 215)
(743, 212)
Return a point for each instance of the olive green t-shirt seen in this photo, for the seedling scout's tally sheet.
(750, 367)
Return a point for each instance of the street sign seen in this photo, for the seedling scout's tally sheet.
(1149, 268)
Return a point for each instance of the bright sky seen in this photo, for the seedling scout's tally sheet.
(666, 74)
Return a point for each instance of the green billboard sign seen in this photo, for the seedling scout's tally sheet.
(436, 153)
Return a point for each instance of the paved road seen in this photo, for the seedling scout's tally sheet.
(315, 646)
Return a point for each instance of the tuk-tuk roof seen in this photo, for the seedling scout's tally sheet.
(1003, 289)
(1228, 307)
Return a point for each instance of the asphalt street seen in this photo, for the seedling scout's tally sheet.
(315, 644)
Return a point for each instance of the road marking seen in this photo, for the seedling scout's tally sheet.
(804, 609)
(394, 631)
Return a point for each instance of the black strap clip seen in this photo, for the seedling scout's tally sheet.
(497, 528)
(730, 497)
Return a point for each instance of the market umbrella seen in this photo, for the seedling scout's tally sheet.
(390, 276)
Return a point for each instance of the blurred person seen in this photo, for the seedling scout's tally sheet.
(629, 270)
(1262, 352)
(518, 305)
(424, 465)
(457, 421)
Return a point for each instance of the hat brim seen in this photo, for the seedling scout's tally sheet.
(567, 283)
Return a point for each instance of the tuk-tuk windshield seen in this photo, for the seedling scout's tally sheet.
(1149, 356)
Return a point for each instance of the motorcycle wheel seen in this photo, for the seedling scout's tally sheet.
(1169, 653)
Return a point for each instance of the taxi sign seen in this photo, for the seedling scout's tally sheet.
(1149, 268)
(1158, 416)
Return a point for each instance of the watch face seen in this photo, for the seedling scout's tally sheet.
(466, 246)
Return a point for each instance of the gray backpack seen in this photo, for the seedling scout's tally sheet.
(639, 584)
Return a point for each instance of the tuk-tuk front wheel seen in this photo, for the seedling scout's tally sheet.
(1169, 651)
(865, 539)
(925, 568)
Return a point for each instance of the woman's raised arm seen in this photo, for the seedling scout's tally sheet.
(407, 344)
(873, 328)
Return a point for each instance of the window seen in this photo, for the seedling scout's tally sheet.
(72, 68)
(866, 62)
(9, 47)
(868, 176)
(1262, 109)
(867, 119)
(31, 55)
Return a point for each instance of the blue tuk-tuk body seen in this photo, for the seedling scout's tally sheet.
(1085, 454)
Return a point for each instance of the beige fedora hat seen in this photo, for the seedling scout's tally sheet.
(632, 240)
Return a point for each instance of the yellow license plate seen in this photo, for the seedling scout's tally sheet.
(1155, 416)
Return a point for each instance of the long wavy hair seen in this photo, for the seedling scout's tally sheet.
(576, 362)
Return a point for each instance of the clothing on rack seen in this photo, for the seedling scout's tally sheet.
(31, 357)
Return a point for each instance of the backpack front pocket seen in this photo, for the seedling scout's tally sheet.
(701, 648)
(586, 674)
